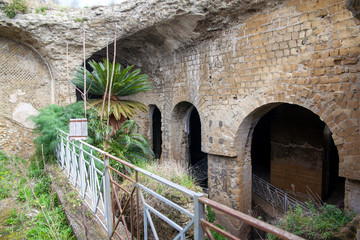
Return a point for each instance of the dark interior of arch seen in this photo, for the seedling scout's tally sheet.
(198, 159)
(294, 150)
(157, 133)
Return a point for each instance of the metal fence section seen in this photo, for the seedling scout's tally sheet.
(139, 191)
(207, 226)
(96, 176)
(85, 170)
(274, 195)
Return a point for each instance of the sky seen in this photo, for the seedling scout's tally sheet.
(88, 3)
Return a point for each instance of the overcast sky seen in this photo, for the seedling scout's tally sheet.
(88, 3)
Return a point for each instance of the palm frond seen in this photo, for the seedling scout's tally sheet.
(125, 82)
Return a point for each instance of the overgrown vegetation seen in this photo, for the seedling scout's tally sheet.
(211, 219)
(319, 223)
(110, 81)
(31, 210)
(130, 145)
(176, 173)
(110, 130)
(50, 119)
(14, 7)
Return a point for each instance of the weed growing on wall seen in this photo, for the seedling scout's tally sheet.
(14, 7)
(319, 223)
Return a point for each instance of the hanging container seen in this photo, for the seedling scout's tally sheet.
(78, 129)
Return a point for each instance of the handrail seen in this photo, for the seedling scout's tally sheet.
(100, 191)
(274, 195)
(248, 219)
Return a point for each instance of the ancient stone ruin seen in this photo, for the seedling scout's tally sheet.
(265, 87)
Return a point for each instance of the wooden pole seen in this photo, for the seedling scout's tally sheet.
(84, 72)
(111, 79)
(107, 82)
(67, 70)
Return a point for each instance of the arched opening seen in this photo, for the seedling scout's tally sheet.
(198, 159)
(156, 131)
(293, 150)
(186, 140)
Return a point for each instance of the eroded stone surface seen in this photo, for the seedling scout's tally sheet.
(22, 113)
(232, 60)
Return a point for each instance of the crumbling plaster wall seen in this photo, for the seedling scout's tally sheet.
(25, 86)
(233, 60)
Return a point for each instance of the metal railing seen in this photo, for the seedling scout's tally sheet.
(242, 217)
(274, 195)
(86, 171)
(117, 206)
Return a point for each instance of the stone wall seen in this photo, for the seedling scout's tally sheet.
(300, 53)
(297, 150)
(233, 61)
(26, 86)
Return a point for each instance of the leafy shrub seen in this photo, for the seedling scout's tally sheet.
(172, 171)
(130, 145)
(13, 8)
(314, 224)
(50, 119)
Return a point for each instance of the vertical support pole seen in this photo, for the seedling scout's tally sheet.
(145, 224)
(92, 181)
(199, 213)
(67, 158)
(82, 170)
(74, 163)
(62, 153)
(286, 203)
(137, 206)
(107, 198)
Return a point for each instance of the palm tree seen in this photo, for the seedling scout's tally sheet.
(125, 82)
(130, 145)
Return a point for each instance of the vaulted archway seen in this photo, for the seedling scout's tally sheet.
(292, 148)
(186, 140)
(156, 132)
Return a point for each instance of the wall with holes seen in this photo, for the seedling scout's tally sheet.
(25, 86)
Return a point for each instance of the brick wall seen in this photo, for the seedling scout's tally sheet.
(297, 178)
(301, 52)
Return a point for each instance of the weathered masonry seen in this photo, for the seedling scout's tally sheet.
(264, 87)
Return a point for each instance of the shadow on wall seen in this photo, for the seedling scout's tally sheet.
(293, 150)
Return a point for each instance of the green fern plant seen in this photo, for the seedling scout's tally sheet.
(130, 145)
(50, 119)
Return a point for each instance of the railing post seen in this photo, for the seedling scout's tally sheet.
(199, 213)
(107, 198)
(62, 153)
(82, 171)
(74, 163)
(67, 158)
